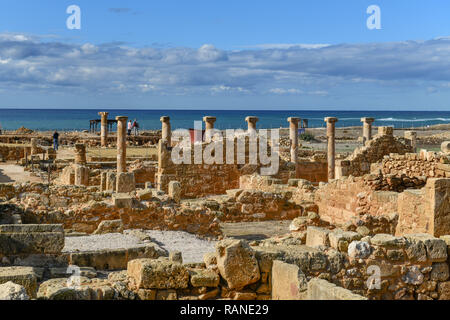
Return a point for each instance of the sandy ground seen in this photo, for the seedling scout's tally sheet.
(14, 173)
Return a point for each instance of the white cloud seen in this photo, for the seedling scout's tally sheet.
(28, 61)
(285, 91)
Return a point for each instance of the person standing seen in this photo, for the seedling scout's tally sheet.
(55, 140)
(135, 126)
(130, 127)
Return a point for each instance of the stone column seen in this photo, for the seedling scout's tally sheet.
(331, 151)
(209, 126)
(80, 154)
(251, 121)
(367, 129)
(293, 135)
(412, 136)
(121, 144)
(166, 130)
(104, 128)
(34, 147)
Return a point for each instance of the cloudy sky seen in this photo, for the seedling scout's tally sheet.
(228, 55)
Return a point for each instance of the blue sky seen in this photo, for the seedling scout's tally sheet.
(225, 54)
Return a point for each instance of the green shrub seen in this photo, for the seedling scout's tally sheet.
(307, 137)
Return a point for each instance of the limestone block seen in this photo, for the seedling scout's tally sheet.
(122, 201)
(109, 226)
(436, 248)
(145, 195)
(319, 289)
(338, 238)
(385, 131)
(439, 272)
(204, 278)
(445, 147)
(31, 239)
(103, 181)
(387, 240)
(111, 181)
(81, 175)
(125, 182)
(359, 250)
(209, 259)
(288, 282)
(316, 236)
(237, 263)
(24, 276)
(12, 291)
(158, 274)
(175, 191)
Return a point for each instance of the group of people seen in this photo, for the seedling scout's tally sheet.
(133, 127)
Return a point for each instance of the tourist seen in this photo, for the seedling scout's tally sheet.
(55, 140)
(130, 127)
(136, 127)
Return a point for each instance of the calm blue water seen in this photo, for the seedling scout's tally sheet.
(11, 119)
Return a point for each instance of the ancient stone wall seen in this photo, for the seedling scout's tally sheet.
(426, 210)
(360, 161)
(428, 164)
(314, 171)
(200, 180)
(342, 200)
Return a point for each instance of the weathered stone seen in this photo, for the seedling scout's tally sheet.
(340, 239)
(158, 274)
(24, 276)
(166, 295)
(444, 290)
(413, 276)
(175, 191)
(147, 294)
(204, 278)
(176, 256)
(288, 282)
(445, 147)
(109, 226)
(436, 248)
(298, 224)
(316, 236)
(31, 239)
(12, 291)
(319, 289)
(122, 200)
(125, 182)
(439, 272)
(359, 250)
(237, 263)
(210, 259)
(387, 240)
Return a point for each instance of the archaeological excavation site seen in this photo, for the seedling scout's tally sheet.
(204, 214)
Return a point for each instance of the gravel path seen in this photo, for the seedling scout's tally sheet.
(191, 247)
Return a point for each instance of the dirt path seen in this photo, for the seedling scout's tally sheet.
(14, 173)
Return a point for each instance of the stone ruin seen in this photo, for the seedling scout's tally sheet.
(374, 225)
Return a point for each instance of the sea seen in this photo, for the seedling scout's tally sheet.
(78, 119)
